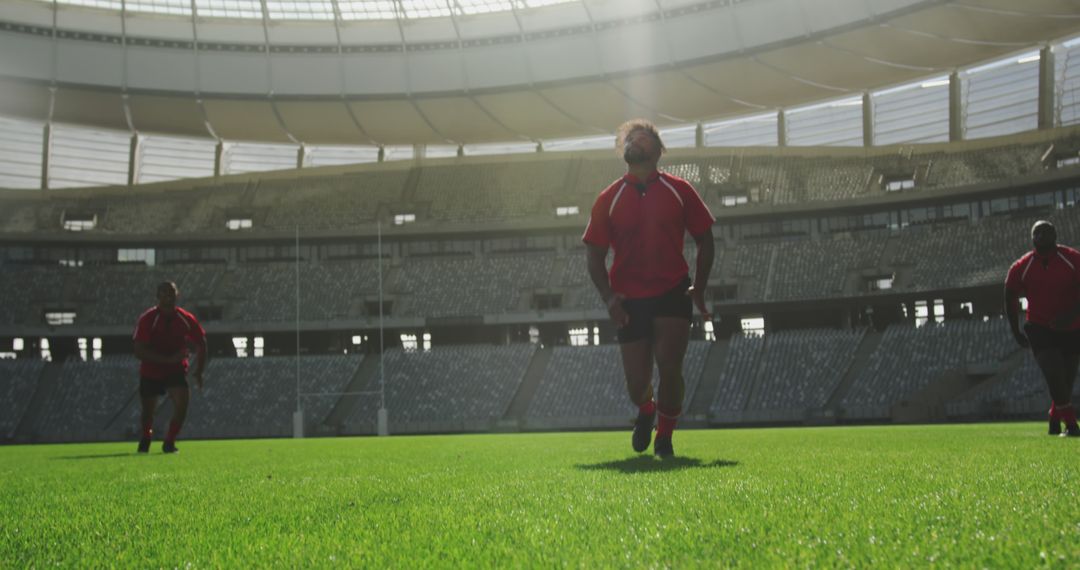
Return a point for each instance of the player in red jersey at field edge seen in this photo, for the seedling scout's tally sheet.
(1049, 276)
(644, 217)
(162, 336)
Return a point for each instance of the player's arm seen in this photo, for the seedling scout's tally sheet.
(146, 354)
(1012, 312)
(596, 257)
(706, 251)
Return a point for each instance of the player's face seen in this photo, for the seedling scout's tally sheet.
(640, 147)
(1043, 237)
(166, 296)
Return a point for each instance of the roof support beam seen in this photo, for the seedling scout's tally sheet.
(1047, 88)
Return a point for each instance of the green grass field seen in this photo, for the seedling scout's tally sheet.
(997, 495)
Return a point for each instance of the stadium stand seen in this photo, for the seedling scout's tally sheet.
(932, 257)
(470, 285)
(98, 400)
(467, 192)
(588, 382)
(740, 370)
(449, 388)
(117, 295)
(1020, 393)
(909, 359)
(800, 369)
(328, 203)
(88, 400)
(985, 165)
(18, 379)
(252, 397)
(816, 269)
(483, 192)
(256, 397)
(784, 371)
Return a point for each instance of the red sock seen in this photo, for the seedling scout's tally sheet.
(148, 430)
(1067, 414)
(666, 424)
(174, 430)
(1054, 415)
(647, 409)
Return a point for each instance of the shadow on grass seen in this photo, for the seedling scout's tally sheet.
(648, 464)
(99, 456)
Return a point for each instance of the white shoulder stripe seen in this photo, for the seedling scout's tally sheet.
(616, 199)
(1067, 262)
(1023, 275)
(673, 191)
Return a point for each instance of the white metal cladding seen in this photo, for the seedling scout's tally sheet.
(758, 130)
(315, 9)
(679, 137)
(499, 148)
(913, 113)
(440, 151)
(836, 123)
(171, 158)
(1001, 97)
(367, 10)
(331, 155)
(294, 10)
(1067, 83)
(250, 9)
(20, 153)
(580, 143)
(174, 7)
(83, 156)
(398, 152)
(258, 157)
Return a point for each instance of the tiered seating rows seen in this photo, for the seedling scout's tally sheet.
(589, 382)
(510, 190)
(18, 380)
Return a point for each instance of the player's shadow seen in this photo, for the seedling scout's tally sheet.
(99, 456)
(648, 464)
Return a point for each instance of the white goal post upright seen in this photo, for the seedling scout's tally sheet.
(383, 420)
(298, 415)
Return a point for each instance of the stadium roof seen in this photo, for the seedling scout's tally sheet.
(473, 71)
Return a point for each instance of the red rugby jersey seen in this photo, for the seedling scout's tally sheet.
(166, 334)
(1051, 284)
(645, 223)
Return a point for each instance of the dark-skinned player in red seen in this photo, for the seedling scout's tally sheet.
(162, 337)
(1049, 276)
(644, 217)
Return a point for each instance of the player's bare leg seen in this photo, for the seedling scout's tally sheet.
(1052, 364)
(1071, 364)
(146, 421)
(180, 398)
(637, 359)
(672, 336)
